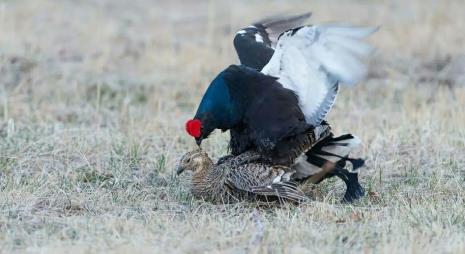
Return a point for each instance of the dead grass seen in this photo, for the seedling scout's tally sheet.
(94, 94)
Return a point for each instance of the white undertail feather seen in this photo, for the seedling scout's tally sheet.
(313, 60)
(304, 169)
(341, 148)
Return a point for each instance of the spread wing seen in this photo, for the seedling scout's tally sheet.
(255, 44)
(313, 60)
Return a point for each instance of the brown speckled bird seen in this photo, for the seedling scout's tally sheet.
(239, 178)
(248, 176)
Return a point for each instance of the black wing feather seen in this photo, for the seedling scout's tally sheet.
(271, 113)
(255, 44)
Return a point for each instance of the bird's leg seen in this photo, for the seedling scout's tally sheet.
(326, 171)
(354, 190)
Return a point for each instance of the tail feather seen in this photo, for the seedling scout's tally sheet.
(328, 158)
(329, 151)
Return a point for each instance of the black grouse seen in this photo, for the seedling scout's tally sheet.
(286, 84)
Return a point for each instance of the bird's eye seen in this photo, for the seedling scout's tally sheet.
(188, 160)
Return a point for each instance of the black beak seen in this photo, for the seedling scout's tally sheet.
(179, 170)
(198, 141)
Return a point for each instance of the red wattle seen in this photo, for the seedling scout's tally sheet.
(193, 127)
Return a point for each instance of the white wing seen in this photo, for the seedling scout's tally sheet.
(313, 60)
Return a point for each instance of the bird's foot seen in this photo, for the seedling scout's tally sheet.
(354, 190)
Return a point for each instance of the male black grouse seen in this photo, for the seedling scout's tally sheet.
(286, 84)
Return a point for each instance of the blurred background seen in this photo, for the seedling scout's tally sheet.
(94, 96)
(57, 57)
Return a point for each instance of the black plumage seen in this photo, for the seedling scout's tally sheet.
(255, 44)
(270, 121)
(283, 90)
(251, 52)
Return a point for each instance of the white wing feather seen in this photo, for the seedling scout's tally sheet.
(313, 60)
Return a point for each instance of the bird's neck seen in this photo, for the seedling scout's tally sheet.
(204, 180)
(203, 170)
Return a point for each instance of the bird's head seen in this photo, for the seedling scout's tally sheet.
(195, 161)
(200, 128)
(217, 110)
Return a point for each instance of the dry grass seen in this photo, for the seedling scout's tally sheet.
(94, 94)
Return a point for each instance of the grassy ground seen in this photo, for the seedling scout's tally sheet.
(94, 95)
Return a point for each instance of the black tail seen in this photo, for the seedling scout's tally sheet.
(328, 158)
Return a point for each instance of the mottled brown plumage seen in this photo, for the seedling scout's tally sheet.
(249, 175)
(239, 178)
